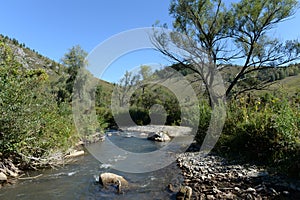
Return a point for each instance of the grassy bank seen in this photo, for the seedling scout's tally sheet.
(264, 129)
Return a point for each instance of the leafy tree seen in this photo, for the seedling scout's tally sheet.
(74, 59)
(124, 87)
(32, 126)
(140, 93)
(218, 35)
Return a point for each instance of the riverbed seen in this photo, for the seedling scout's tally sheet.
(78, 180)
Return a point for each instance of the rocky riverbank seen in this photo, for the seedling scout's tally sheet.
(10, 172)
(213, 177)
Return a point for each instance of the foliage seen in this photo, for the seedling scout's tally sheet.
(204, 120)
(146, 99)
(264, 129)
(32, 125)
(74, 59)
(218, 36)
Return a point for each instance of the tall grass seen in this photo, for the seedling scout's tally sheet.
(264, 129)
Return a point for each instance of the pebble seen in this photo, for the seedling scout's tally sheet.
(285, 193)
(213, 177)
(210, 197)
(237, 189)
(251, 190)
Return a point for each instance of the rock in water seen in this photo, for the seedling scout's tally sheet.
(107, 179)
(160, 136)
(185, 193)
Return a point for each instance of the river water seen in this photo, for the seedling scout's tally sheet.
(78, 180)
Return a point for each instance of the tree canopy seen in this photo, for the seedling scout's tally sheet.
(219, 35)
(74, 59)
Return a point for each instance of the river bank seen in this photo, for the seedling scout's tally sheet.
(210, 176)
(10, 172)
(213, 177)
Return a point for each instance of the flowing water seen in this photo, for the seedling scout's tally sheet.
(78, 180)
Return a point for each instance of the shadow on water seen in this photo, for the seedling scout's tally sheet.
(79, 179)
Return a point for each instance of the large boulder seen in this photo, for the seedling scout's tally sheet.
(107, 179)
(160, 136)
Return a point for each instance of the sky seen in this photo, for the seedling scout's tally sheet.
(52, 27)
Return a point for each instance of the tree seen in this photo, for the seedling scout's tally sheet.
(74, 59)
(32, 126)
(124, 88)
(252, 21)
(218, 36)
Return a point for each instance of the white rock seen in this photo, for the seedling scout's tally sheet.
(3, 177)
(252, 190)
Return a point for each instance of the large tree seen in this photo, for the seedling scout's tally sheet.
(74, 60)
(219, 35)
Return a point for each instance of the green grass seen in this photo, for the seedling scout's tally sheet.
(291, 85)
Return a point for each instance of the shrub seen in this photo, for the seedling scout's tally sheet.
(204, 120)
(32, 125)
(264, 129)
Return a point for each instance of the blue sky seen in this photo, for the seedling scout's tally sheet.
(52, 27)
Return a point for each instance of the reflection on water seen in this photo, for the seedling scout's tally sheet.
(78, 180)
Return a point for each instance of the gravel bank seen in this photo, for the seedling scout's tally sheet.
(212, 177)
(173, 131)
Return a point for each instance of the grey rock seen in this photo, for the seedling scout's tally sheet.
(216, 191)
(273, 191)
(160, 136)
(237, 189)
(212, 177)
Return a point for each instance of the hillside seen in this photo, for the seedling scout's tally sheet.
(291, 85)
(31, 59)
(283, 78)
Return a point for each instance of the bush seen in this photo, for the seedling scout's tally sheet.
(31, 124)
(105, 118)
(204, 120)
(264, 129)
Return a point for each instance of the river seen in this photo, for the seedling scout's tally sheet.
(78, 180)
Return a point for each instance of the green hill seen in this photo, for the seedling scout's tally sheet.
(291, 85)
